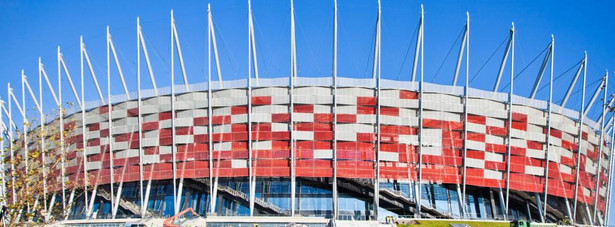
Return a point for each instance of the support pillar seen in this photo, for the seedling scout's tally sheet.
(510, 113)
(579, 143)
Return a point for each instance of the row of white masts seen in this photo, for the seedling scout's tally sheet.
(66, 201)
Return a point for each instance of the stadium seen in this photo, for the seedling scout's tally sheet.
(313, 150)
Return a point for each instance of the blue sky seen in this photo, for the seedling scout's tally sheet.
(35, 28)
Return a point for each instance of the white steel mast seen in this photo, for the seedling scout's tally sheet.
(211, 43)
(335, 190)
(465, 42)
(600, 150)
(510, 113)
(377, 80)
(251, 57)
(293, 72)
(579, 144)
(420, 118)
(173, 145)
(418, 186)
(548, 134)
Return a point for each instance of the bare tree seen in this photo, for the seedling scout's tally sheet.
(31, 181)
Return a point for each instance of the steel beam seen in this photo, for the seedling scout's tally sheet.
(548, 134)
(26, 127)
(176, 199)
(541, 72)
(61, 113)
(82, 52)
(84, 55)
(9, 136)
(110, 136)
(594, 96)
(494, 212)
(461, 50)
(580, 144)
(293, 70)
(419, 41)
(574, 81)
(80, 103)
(212, 200)
(117, 62)
(501, 199)
(212, 36)
(175, 40)
(504, 60)
(610, 181)
(466, 41)
(420, 161)
(118, 197)
(377, 153)
(139, 121)
(49, 86)
(252, 40)
(539, 206)
(42, 74)
(179, 50)
(510, 113)
(70, 81)
(3, 131)
(39, 108)
(335, 192)
(251, 57)
(141, 39)
(600, 149)
(591, 220)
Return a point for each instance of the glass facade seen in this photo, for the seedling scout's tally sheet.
(314, 199)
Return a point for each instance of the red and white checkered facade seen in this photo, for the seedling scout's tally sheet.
(356, 135)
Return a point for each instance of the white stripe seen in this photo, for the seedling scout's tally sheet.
(472, 127)
(475, 163)
(223, 146)
(389, 156)
(304, 135)
(323, 154)
(492, 174)
(261, 145)
(475, 145)
(565, 169)
(437, 151)
(494, 157)
(239, 163)
(303, 117)
(322, 109)
(494, 139)
(534, 170)
(494, 122)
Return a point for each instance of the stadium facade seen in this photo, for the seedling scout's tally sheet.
(331, 147)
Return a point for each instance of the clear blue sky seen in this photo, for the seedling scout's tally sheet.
(30, 29)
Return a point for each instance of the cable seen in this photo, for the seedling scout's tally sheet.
(489, 59)
(589, 85)
(371, 50)
(189, 52)
(354, 59)
(408, 49)
(166, 64)
(448, 54)
(560, 75)
(267, 47)
(309, 47)
(526, 67)
(229, 56)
